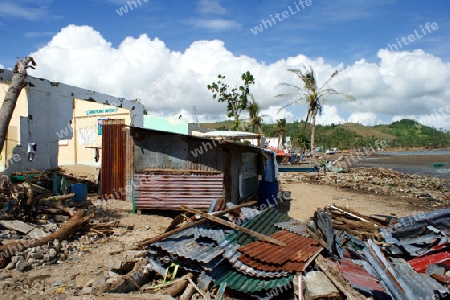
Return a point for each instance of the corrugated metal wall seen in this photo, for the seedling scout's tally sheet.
(249, 174)
(113, 173)
(171, 191)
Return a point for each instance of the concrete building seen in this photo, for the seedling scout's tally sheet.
(63, 122)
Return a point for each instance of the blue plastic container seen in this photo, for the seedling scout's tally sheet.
(80, 191)
(268, 194)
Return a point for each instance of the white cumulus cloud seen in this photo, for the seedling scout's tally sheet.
(170, 82)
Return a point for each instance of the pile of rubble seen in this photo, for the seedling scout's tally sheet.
(253, 254)
(378, 180)
(240, 252)
(37, 224)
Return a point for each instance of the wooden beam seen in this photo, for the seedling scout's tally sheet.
(338, 280)
(234, 226)
(188, 225)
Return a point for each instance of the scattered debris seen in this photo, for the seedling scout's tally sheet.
(379, 181)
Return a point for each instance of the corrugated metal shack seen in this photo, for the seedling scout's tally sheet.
(163, 170)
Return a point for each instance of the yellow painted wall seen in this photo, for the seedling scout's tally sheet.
(13, 137)
(85, 126)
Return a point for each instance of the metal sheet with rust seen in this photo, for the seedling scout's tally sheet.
(171, 191)
(113, 174)
(268, 257)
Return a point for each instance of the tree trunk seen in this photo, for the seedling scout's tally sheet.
(313, 133)
(18, 81)
(75, 223)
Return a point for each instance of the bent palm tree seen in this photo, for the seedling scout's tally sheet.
(312, 94)
(255, 120)
(280, 130)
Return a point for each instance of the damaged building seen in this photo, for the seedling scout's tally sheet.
(164, 170)
(57, 124)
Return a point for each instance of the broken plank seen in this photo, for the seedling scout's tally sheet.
(234, 226)
(338, 280)
(188, 225)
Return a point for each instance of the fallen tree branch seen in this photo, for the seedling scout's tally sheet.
(75, 223)
(57, 202)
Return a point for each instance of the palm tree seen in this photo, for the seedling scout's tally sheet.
(255, 120)
(280, 130)
(312, 94)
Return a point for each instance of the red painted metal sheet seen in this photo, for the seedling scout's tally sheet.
(358, 276)
(171, 191)
(420, 264)
(269, 257)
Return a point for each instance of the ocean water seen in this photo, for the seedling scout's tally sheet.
(428, 163)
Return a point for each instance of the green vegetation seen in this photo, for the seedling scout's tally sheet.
(401, 134)
(236, 98)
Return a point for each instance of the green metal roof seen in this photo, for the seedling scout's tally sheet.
(262, 223)
(243, 283)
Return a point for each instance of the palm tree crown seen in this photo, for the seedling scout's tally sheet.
(312, 94)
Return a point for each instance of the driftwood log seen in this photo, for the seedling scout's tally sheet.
(75, 223)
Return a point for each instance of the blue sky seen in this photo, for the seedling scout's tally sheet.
(165, 42)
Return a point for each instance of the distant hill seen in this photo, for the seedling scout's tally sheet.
(403, 133)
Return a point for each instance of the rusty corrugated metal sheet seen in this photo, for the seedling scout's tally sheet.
(113, 173)
(269, 257)
(171, 191)
(359, 278)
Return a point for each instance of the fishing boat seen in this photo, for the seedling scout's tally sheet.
(438, 165)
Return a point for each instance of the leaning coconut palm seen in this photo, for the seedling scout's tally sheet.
(280, 131)
(254, 120)
(313, 95)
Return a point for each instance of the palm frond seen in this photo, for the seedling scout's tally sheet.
(329, 79)
(291, 85)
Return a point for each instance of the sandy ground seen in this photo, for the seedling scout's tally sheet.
(307, 198)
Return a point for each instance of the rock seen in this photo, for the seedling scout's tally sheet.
(85, 280)
(99, 281)
(86, 291)
(10, 266)
(64, 244)
(60, 218)
(5, 276)
(22, 265)
(17, 225)
(57, 245)
(52, 253)
(31, 260)
(318, 286)
(36, 255)
(16, 259)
